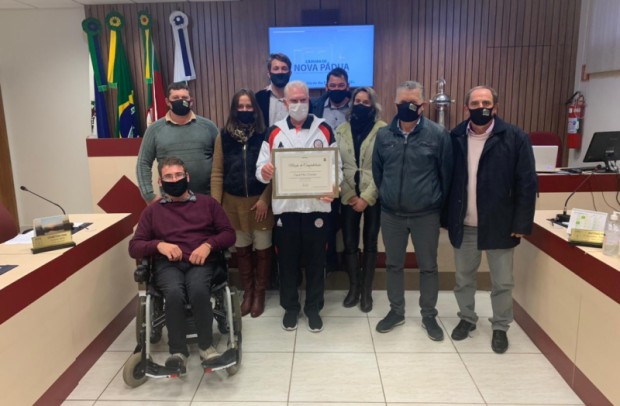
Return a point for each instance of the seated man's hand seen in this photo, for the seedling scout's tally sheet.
(200, 254)
(170, 251)
(326, 199)
(267, 171)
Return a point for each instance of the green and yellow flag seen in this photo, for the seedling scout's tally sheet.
(119, 77)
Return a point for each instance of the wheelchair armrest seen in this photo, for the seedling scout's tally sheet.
(143, 272)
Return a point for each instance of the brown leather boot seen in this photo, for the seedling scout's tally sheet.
(246, 274)
(263, 268)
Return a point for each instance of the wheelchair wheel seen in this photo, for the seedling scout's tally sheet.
(140, 318)
(134, 372)
(236, 308)
(157, 310)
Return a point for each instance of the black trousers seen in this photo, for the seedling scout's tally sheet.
(300, 235)
(180, 281)
(351, 228)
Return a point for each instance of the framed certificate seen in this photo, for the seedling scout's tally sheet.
(305, 172)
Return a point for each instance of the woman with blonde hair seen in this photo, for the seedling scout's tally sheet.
(356, 140)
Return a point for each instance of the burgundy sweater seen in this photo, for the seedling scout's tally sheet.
(186, 224)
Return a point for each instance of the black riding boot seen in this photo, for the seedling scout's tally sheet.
(369, 262)
(351, 263)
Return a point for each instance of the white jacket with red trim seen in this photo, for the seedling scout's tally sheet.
(314, 133)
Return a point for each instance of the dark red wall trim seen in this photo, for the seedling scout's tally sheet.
(21, 293)
(98, 147)
(599, 182)
(68, 381)
(583, 387)
(602, 276)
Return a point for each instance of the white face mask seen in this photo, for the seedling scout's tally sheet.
(298, 111)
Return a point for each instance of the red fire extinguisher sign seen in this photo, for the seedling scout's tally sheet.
(576, 113)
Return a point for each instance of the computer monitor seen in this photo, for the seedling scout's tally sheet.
(604, 147)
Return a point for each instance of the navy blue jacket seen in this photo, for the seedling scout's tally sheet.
(506, 187)
(240, 165)
(412, 173)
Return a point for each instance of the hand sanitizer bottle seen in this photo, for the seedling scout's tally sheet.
(612, 235)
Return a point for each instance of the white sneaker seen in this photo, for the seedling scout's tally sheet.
(210, 354)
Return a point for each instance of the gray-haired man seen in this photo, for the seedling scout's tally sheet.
(412, 168)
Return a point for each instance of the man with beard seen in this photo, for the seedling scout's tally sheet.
(183, 134)
(271, 99)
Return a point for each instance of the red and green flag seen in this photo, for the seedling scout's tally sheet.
(119, 77)
(155, 96)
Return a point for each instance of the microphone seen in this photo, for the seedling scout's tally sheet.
(25, 189)
(564, 217)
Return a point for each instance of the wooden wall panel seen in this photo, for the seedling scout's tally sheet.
(526, 49)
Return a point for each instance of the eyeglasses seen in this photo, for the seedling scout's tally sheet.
(172, 177)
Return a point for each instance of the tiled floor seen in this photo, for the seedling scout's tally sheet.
(347, 364)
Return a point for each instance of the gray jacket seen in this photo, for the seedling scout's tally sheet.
(412, 172)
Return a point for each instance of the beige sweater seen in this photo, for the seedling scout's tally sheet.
(367, 186)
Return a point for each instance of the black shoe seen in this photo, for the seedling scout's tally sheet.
(433, 330)
(499, 342)
(389, 322)
(315, 324)
(352, 298)
(366, 300)
(461, 331)
(289, 321)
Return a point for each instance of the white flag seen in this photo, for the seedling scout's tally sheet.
(183, 61)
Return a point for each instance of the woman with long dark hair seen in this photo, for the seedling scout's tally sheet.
(246, 201)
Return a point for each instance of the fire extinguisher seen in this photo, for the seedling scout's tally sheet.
(576, 112)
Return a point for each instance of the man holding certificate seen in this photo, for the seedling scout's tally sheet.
(299, 155)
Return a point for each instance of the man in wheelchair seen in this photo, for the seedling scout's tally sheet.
(180, 232)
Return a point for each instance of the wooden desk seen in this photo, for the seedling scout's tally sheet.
(54, 304)
(567, 299)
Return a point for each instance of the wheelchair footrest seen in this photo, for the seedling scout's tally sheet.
(226, 360)
(154, 370)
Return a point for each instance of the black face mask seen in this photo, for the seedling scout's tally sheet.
(181, 107)
(408, 112)
(175, 189)
(280, 79)
(337, 96)
(361, 117)
(481, 116)
(245, 117)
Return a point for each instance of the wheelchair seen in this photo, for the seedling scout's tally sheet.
(150, 320)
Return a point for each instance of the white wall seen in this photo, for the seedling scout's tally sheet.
(45, 90)
(602, 93)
